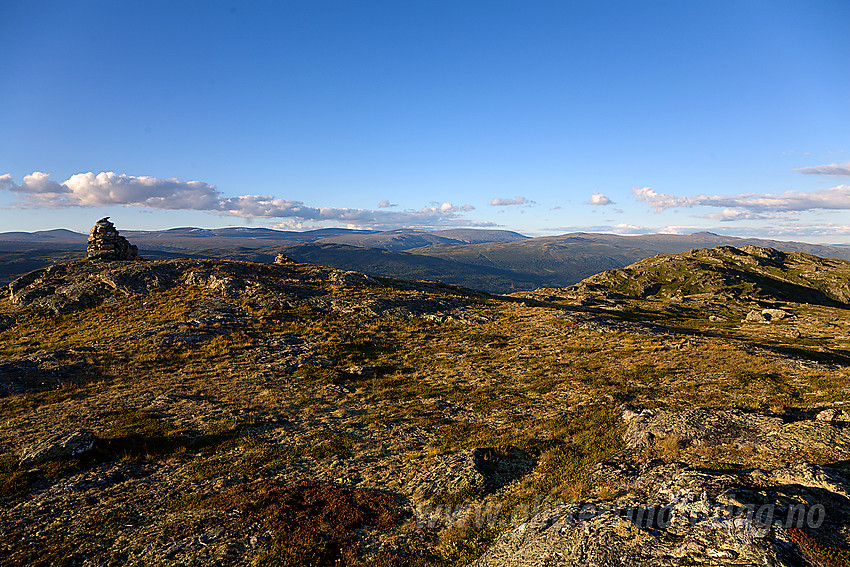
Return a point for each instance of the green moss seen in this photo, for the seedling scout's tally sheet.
(332, 445)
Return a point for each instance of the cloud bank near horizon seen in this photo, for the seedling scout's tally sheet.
(110, 188)
(754, 214)
(834, 169)
(779, 231)
(752, 205)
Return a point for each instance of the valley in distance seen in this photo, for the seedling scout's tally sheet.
(454, 398)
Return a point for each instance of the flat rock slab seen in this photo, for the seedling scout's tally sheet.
(58, 446)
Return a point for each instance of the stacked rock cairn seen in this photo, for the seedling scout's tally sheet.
(106, 244)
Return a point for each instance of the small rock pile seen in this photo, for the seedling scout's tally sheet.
(106, 244)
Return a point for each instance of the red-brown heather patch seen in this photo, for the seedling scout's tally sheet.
(817, 553)
(311, 523)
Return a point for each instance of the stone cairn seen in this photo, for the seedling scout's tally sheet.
(106, 244)
(284, 259)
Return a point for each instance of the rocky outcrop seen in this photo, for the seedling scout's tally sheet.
(671, 513)
(747, 274)
(768, 440)
(106, 244)
(63, 288)
(283, 259)
(765, 316)
(686, 517)
(59, 446)
(478, 471)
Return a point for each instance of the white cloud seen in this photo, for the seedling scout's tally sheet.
(808, 230)
(835, 198)
(497, 202)
(728, 215)
(39, 183)
(598, 199)
(620, 228)
(447, 207)
(660, 201)
(109, 188)
(289, 225)
(780, 230)
(830, 169)
(386, 204)
(6, 182)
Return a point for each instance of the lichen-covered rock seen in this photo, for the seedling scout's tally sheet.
(673, 513)
(77, 285)
(755, 316)
(351, 279)
(766, 316)
(688, 518)
(833, 414)
(225, 285)
(58, 446)
(769, 440)
(482, 470)
(774, 314)
(105, 243)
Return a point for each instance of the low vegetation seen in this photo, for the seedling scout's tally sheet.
(228, 411)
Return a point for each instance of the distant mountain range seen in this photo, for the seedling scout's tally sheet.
(498, 261)
(189, 238)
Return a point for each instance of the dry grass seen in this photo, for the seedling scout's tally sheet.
(267, 393)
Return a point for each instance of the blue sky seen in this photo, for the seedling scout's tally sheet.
(540, 117)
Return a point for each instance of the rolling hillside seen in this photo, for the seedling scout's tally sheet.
(215, 412)
(491, 260)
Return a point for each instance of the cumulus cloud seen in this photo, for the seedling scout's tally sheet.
(6, 182)
(837, 169)
(835, 198)
(109, 188)
(39, 183)
(447, 207)
(497, 202)
(386, 204)
(598, 199)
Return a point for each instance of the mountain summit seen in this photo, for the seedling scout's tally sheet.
(688, 408)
